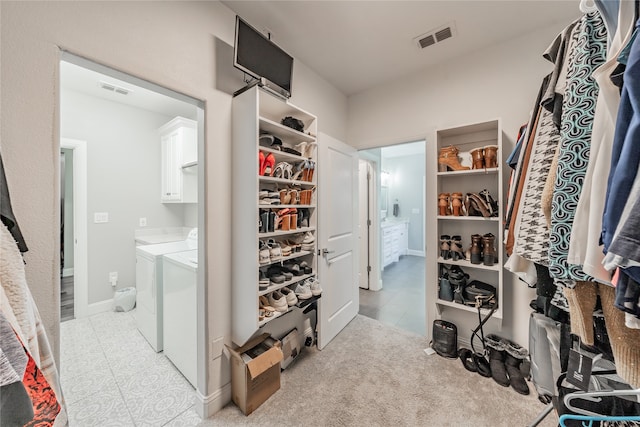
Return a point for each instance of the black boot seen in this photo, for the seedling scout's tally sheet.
(458, 281)
(514, 357)
(496, 359)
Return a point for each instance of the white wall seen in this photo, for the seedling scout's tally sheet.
(172, 44)
(407, 173)
(500, 81)
(123, 179)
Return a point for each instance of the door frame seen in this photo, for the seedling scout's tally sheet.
(80, 258)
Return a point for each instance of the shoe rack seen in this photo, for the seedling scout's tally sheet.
(267, 204)
(463, 150)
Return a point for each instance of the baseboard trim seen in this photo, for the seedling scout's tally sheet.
(415, 253)
(100, 307)
(206, 406)
(66, 272)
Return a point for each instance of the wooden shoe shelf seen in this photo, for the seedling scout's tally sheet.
(255, 112)
(465, 139)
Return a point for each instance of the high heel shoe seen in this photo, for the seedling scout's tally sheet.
(491, 156)
(488, 250)
(456, 203)
(269, 165)
(448, 158)
(457, 252)
(443, 204)
(475, 251)
(445, 246)
(477, 156)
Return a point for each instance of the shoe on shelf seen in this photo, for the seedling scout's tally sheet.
(264, 254)
(308, 238)
(303, 291)
(448, 159)
(263, 280)
(491, 156)
(314, 285)
(477, 156)
(445, 246)
(456, 248)
(263, 304)
(275, 252)
(444, 204)
(278, 301)
(290, 296)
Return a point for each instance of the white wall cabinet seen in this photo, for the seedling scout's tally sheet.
(254, 112)
(394, 241)
(179, 156)
(465, 138)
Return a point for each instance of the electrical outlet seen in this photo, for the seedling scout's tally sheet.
(113, 276)
(100, 217)
(415, 211)
(143, 222)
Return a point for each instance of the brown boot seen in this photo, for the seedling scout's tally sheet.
(456, 203)
(477, 156)
(448, 159)
(488, 251)
(475, 252)
(443, 204)
(491, 156)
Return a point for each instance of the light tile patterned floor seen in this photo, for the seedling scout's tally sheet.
(401, 301)
(111, 376)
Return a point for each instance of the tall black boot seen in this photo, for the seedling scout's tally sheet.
(496, 359)
(514, 357)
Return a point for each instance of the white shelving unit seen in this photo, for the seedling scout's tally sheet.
(254, 112)
(465, 138)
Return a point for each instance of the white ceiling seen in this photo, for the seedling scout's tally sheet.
(83, 80)
(356, 45)
(400, 150)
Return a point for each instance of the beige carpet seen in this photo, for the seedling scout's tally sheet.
(376, 375)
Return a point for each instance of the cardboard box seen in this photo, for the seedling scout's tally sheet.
(255, 372)
(290, 348)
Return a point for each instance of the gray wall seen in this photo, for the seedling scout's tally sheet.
(123, 179)
(173, 46)
(407, 173)
(499, 81)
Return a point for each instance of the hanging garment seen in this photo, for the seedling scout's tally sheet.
(625, 342)
(625, 239)
(18, 306)
(6, 212)
(575, 137)
(532, 231)
(626, 148)
(584, 247)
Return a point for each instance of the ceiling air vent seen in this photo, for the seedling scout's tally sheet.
(435, 36)
(114, 88)
(426, 41)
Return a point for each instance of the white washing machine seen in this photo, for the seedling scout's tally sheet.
(149, 267)
(180, 312)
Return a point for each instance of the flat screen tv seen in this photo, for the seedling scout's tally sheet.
(259, 57)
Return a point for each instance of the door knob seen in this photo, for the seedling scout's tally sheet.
(326, 251)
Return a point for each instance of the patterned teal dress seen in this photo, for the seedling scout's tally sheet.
(590, 40)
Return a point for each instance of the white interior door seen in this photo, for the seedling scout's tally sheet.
(338, 236)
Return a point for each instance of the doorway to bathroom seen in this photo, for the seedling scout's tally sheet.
(392, 241)
(132, 184)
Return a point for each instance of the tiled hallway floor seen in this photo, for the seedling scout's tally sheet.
(111, 376)
(401, 301)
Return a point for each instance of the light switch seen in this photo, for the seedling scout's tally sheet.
(415, 211)
(100, 217)
(143, 222)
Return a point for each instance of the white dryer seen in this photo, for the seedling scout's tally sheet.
(149, 268)
(180, 312)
